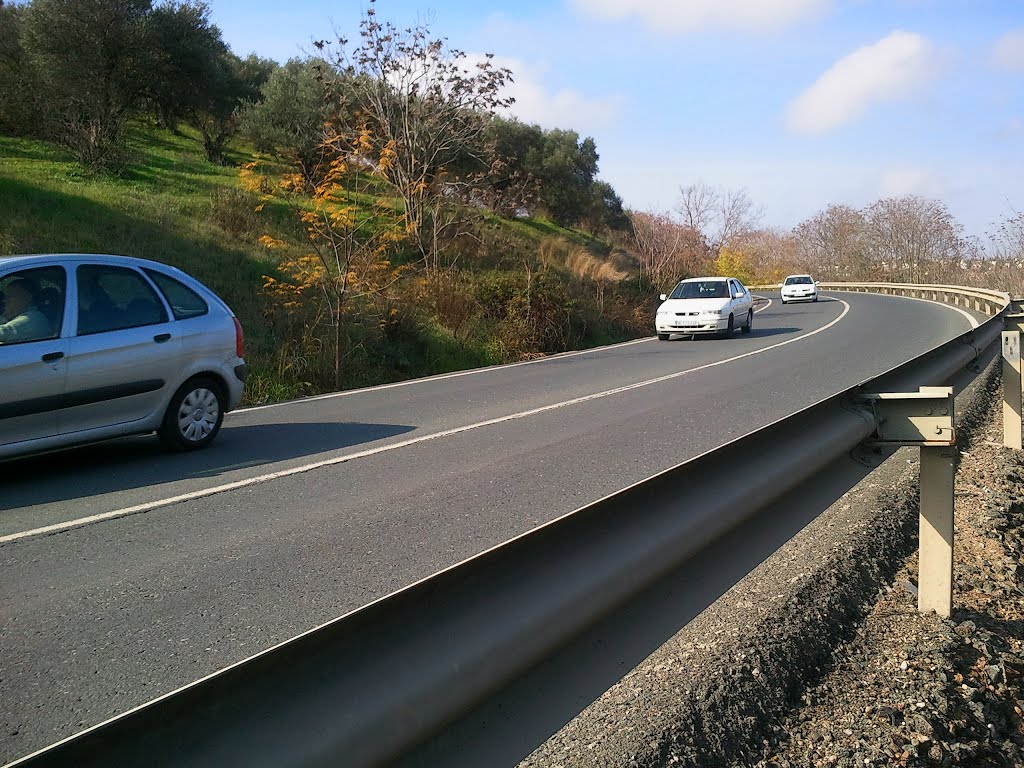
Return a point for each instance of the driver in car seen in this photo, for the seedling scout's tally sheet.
(20, 318)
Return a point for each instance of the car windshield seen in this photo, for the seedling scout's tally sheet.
(701, 289)
(799, 280)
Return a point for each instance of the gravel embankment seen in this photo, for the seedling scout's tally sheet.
(913, 690)
(818, 657)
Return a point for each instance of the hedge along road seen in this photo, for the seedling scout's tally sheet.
(339, 500)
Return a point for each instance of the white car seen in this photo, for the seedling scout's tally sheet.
(799, 288)
(94, 347)
(702, 305)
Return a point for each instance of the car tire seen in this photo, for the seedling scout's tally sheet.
(663, 337)
(815, 299)
(194, 415)
(750, 322)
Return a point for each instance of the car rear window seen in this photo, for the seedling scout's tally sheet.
(185, 302)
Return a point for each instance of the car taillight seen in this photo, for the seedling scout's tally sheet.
(239, 338)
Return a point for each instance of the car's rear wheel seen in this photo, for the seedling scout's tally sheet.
(662, 337)
(750, 322)
(193, 416)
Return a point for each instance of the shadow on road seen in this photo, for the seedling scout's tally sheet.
(136, 462)
(763, 332)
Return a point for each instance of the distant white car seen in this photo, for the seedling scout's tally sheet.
(94, 347)
(799, 288)
(702, 305)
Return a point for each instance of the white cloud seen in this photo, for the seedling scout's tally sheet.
(889, 70)
(691, 15)
(561, 108)
(1008, 52)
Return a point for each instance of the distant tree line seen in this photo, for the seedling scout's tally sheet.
(909, 238)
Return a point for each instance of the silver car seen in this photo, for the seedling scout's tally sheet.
(94, 347)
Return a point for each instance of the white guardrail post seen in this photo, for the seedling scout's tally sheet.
(1013, 386)
(925, 418)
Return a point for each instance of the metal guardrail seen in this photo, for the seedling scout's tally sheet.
(979, 299)
(478, 664)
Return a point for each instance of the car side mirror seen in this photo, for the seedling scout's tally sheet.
(664, 296)
(738, 295)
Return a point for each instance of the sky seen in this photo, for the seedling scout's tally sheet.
(802, 103)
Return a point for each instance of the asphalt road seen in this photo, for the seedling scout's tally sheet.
(164, 568)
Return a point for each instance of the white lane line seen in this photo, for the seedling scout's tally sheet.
(151, 505)
(439, 377)
(762, 309)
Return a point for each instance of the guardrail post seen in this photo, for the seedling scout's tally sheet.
(935, 559)
(926, 418)
(1013, 395)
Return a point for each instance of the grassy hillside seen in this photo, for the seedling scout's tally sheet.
(170, 205)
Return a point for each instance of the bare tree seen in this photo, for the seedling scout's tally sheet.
(718, 214)
(737, 214)
(667, 249)
(907, 232)
(698, 205)
(834, 244)
(1008, 238)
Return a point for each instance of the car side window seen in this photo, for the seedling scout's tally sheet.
(114, 298)
(32, 305)
(185, 302)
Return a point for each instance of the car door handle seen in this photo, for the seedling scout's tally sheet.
(50, 357)
(160, 338)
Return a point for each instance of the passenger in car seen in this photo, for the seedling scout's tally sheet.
(96, 311)
(21, 319)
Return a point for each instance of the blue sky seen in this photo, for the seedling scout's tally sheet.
(801, 102)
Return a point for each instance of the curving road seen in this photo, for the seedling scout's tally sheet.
(127, 572)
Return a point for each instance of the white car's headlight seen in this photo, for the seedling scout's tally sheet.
(715, 312)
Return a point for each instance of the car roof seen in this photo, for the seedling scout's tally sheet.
(74, 258)
(71, 259)
(802, 274)
(715, 278)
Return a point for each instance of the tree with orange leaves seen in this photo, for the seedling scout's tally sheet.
(350, 240)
